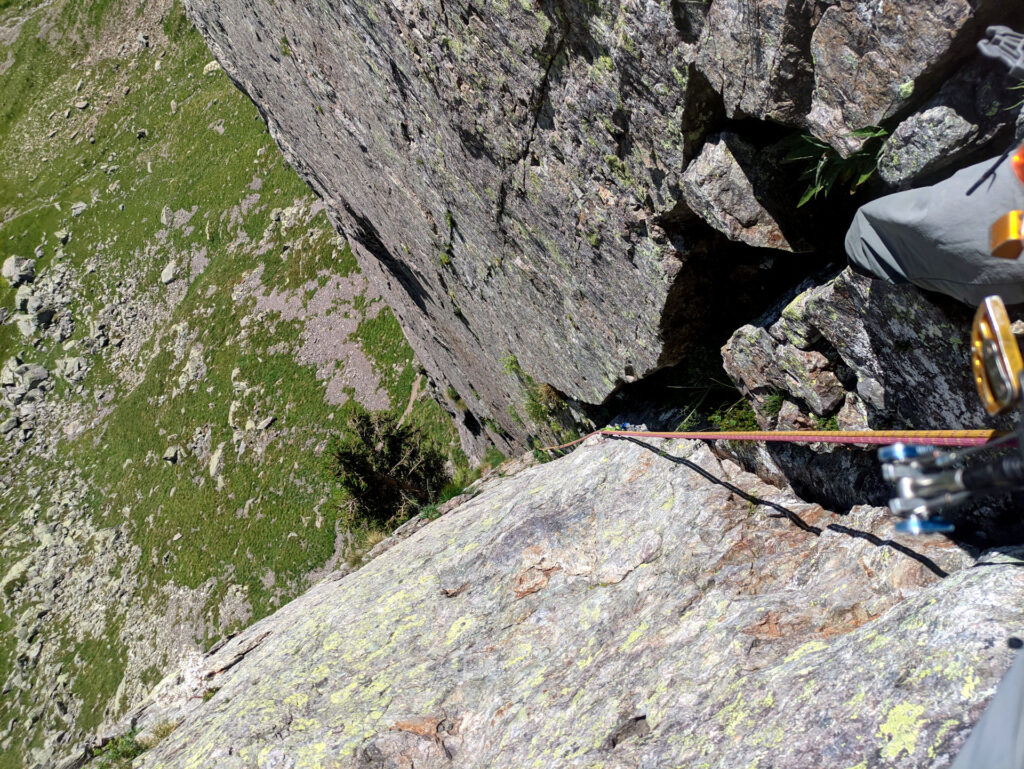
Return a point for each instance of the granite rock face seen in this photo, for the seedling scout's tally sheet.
(500, 172)
(511, 175)
(629, 605)
(852, 354)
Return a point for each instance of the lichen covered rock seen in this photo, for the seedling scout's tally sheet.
(728, 186)
(630, 605)
(902, 354)
(924, 143)
(854, 354)
(511, 176)
(870, 62)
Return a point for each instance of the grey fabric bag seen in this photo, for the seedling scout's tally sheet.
(997, 741)
(938, 237)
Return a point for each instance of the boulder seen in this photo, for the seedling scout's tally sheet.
(973, 112)
(30, 323)
(216, 461)
(7, 371)
(855, 353)
(72, 368)
(22, 297)
(755, 53)
(871, 63)
(15, 576)
(905, 355)
(31, 375)
(18, 271)
(169, 273)
(924, 143)
(726, 186)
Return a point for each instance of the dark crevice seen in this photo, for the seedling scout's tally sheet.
(552, 52)
(634, 727)
(721, 285)
(703, 112)
(368, 237)
(499, 208)
(623, 138)
(401, 81)
(472, 424)
(689, 16)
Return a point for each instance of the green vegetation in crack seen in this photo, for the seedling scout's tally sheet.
(545, 407)
(825, 170)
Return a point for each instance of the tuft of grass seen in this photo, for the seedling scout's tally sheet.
(826, 423)
(118, 753)
(543, 404)
(165, 729)
(773, 403)
(493, 458)
(826, 170)
(739, 416)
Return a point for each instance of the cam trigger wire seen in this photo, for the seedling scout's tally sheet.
(991, 170)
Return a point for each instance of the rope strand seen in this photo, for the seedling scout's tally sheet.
(847, 437)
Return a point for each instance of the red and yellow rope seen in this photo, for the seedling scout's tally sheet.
(853, 437)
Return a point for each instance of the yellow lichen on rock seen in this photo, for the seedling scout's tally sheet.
(901, 729)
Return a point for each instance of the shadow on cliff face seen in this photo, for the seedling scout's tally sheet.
(893, 358)
(897, 359)
(846, 476)
(780, 511)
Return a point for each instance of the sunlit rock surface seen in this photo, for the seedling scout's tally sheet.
(509, 174)
(628, 605)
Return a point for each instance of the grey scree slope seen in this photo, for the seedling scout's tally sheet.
(615, 608)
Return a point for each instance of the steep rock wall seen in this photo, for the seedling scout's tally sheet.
(510, 173)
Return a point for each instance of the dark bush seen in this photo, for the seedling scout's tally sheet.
(386, 469)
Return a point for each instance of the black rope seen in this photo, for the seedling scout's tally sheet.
(784, 512)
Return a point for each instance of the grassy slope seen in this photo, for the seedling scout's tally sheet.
(183, 162)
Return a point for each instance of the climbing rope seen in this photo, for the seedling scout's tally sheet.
(851, 437)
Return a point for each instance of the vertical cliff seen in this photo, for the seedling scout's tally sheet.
(512, 175)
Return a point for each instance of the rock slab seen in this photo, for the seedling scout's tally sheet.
(633, 604)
